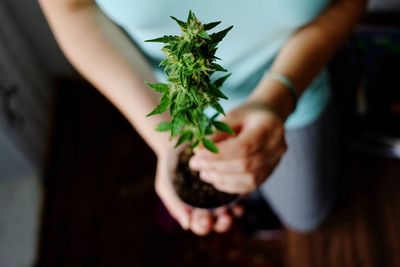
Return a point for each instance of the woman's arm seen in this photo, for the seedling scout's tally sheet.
(107, 58)
(245, 161)
(307, 51)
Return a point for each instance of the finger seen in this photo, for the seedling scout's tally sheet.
(176, 207)
(219, 211)
(223, 223)
(201, 222)
(237, 211)
(249, 140)
(242, 164)
(234, 183)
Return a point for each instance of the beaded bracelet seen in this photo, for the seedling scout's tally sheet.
(286, 82)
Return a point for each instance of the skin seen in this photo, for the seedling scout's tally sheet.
(107, 58)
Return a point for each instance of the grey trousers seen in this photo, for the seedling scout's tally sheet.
(302, 188)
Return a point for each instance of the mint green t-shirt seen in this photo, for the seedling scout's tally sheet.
(261, 28)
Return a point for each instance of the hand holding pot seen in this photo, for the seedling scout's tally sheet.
(247, 159)
(199, 221)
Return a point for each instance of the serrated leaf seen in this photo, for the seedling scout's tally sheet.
(185, 137)
(218, 108)
(211, 25)
(177, 124)
(194, 144)
(181, 24)
(196, 98)
(164, 63)
(214, 116)
(217, 92)
(219, 82)
(217, 67)
(202, 121)
(218, 36)
(204, 35)
(190, 118)
(223, 127)
(182, 50)
(162, 107)
(164, 126)
(214, 57)
(209, 130)
(191, 16)
(209, 145)
(159, 87)
(164, 39)
(182, 78)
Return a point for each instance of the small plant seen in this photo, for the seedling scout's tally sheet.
(189, 65)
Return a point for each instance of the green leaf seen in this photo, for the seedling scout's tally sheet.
(218, 36)
(223, 127)
(209, 145)
(217, 67)
(162, 107)
(164, 39)
(177, 125)
(204, 35)
(159, 87)
(214, 116)
(190, 118)
(202, 120)
(185, 137)
(181, 24)
(164, 126)
(219, 82)
(164, 63)
(191, 16)
(182, 78)
(194, 144)
(211, 25)
(209, 130)
(217, 92)
(218, 108)
(182, 49)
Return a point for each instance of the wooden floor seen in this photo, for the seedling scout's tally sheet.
(101, 209)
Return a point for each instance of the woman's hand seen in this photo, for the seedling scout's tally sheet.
(247, 159)
(199, 221)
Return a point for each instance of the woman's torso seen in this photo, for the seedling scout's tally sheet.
(261, 27)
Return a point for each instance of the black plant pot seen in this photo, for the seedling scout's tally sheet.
(194, 191)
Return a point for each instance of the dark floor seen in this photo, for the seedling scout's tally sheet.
(101, 209)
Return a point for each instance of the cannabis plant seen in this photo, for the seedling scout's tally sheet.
(189, 64)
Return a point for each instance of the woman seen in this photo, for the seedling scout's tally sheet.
(277, 52)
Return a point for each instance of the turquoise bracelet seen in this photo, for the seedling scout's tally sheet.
(286, 82)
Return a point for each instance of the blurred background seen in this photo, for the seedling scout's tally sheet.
(76, 181)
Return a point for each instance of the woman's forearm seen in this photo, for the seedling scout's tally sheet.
(307, 51)
(107, 58)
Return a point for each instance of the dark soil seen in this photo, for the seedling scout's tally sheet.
(193, 191)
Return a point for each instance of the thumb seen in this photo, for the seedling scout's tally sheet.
(175, 206)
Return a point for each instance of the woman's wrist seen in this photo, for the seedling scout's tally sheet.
(163, 149)
(275, 95)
